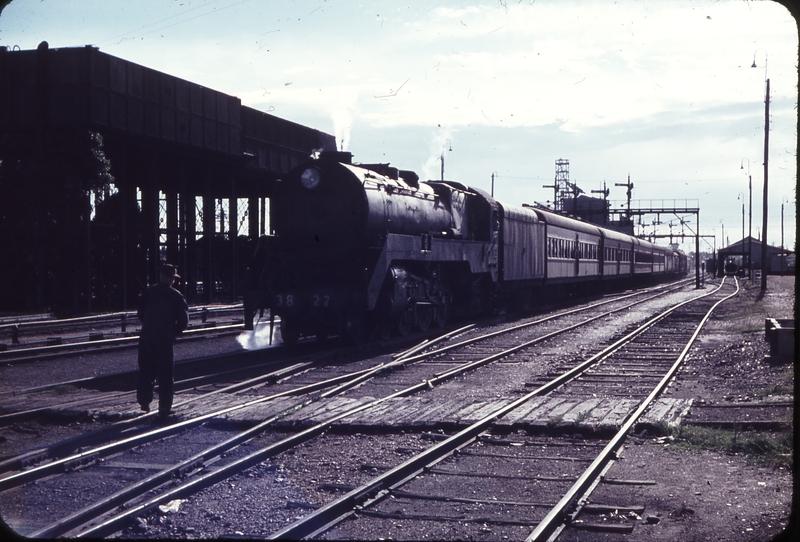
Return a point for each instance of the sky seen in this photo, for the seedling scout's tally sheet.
(661, 91)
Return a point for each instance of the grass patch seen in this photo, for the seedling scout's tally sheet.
(745, 316)
(759, 447)
(555, 420)
(778, 389)
(745, 329)
(62, 389)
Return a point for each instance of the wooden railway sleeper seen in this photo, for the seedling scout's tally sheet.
(333, 512)
(211, 477)
(32, 459)
(185, 469)
(81, 462)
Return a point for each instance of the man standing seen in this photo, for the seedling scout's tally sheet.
(164, 315)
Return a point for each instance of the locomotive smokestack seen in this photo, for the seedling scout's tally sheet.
(338, 156)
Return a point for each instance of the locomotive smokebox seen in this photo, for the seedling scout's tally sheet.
(337, 156)
(319, 210)
(325, 209)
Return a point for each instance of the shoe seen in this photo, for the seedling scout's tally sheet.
(145, 408)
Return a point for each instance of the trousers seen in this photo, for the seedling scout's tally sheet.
(156, 363)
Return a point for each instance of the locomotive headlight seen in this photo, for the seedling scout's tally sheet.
(310, 178)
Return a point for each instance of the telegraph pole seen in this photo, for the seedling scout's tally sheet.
(766, 177)
(750, 227)
(766, 194)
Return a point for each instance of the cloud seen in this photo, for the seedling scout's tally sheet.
(663, 90)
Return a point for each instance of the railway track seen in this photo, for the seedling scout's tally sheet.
(57, 398)
(419, 491)
(284, 398)
(37, 339)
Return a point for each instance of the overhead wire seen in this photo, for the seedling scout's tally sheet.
(135, 33)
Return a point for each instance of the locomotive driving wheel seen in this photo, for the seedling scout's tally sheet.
(403, 323)
(424, 317)
(441, 314)
(382, 316)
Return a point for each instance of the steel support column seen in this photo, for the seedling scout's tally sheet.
(253, 217)
(173, 237)
(126, 193)
(150, 229)
(697, 254)
(209, 231)
(189, 260)
(233, 234)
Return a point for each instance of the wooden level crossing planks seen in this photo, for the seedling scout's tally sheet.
(540, 414)
(667, 410)
(594, 414)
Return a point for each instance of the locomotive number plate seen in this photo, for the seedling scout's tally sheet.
(284, 300)
(290, 300)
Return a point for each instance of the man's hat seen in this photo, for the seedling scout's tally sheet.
(171, 270)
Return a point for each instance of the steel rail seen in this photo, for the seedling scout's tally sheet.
(31, 456)
(127, 494)
(470, 365)
(58, 465)
(115, 522)
(189, 334)
(39, 454)
(89, 379)
(467, 342)
(335, 511)
(556, 515)
(6, 323)
(180, 385)
(428, 343)
(193, 463)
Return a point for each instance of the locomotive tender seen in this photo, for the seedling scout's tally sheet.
(363, 248)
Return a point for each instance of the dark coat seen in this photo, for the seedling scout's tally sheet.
(163, 312)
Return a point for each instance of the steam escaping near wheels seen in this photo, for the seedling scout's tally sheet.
(258, 339)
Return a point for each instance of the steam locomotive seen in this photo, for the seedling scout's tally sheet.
(369, 249)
